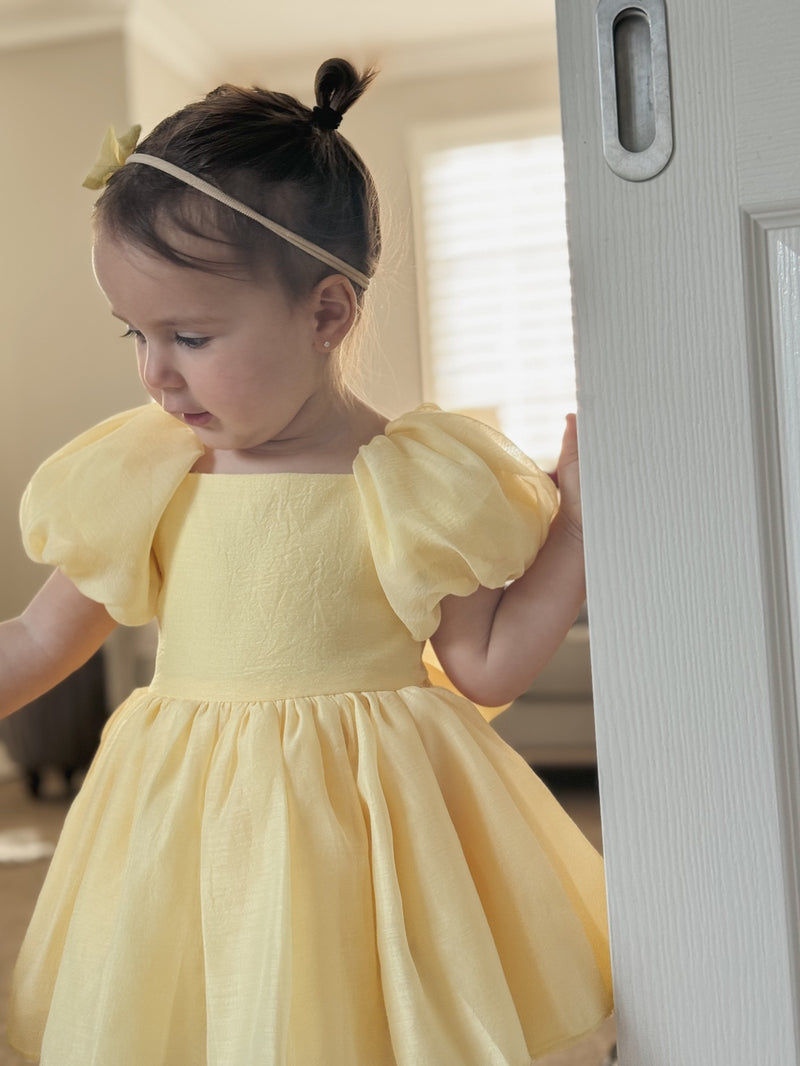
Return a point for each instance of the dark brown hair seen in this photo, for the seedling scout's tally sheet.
(275, 155)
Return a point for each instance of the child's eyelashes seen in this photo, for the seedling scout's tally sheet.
(191, 342)
(179, 338)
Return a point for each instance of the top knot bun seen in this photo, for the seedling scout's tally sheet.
(338, 85)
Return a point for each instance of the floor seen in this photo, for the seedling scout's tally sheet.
(20, 882)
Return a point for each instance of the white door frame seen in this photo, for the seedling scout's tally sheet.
(686, 512)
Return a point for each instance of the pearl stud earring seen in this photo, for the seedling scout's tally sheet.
(326, 344)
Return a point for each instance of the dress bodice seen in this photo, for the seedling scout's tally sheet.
(269, 590)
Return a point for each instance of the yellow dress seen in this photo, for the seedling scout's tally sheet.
(291, 849)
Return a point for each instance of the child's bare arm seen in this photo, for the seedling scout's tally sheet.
(58, 631)
(493, 643)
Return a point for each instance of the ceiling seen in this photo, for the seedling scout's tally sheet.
(246, 36)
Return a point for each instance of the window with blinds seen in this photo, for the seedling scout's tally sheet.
(494, 282)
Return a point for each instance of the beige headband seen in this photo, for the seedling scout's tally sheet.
(216, 194)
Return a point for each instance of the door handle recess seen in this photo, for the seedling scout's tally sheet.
(635, 104)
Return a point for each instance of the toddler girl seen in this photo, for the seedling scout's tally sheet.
(291, 848)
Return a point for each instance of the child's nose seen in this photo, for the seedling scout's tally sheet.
(157, 368)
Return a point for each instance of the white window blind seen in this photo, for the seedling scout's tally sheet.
(497, 319)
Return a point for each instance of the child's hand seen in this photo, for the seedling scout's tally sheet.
(569, 482)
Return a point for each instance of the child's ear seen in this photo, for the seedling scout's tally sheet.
(333, 305)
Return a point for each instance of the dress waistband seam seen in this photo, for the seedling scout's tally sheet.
(158, 692)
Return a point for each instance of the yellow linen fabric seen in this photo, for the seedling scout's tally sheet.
(93, 507)
(450, 504)
(290, 849)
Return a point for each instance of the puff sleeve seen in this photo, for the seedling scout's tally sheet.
(92, 508)
(450, 505)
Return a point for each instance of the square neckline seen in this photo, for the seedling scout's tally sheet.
(296, 473)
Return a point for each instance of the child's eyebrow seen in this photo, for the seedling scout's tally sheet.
(202, 319)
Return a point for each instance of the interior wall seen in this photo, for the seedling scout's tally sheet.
(61, 358)
(155, 89)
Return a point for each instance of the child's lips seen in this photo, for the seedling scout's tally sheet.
(199, 418)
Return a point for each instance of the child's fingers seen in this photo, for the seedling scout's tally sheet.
(569, 472)
(569, 442)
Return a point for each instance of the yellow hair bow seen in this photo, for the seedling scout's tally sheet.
(113, 153)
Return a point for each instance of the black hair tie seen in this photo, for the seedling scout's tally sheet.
(326, 118)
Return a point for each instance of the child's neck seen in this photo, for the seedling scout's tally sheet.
(329, 446)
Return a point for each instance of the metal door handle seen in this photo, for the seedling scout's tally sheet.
(634, 86)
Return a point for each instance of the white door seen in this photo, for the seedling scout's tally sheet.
(687, 309)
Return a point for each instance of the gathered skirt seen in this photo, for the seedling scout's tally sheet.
(361, 879)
